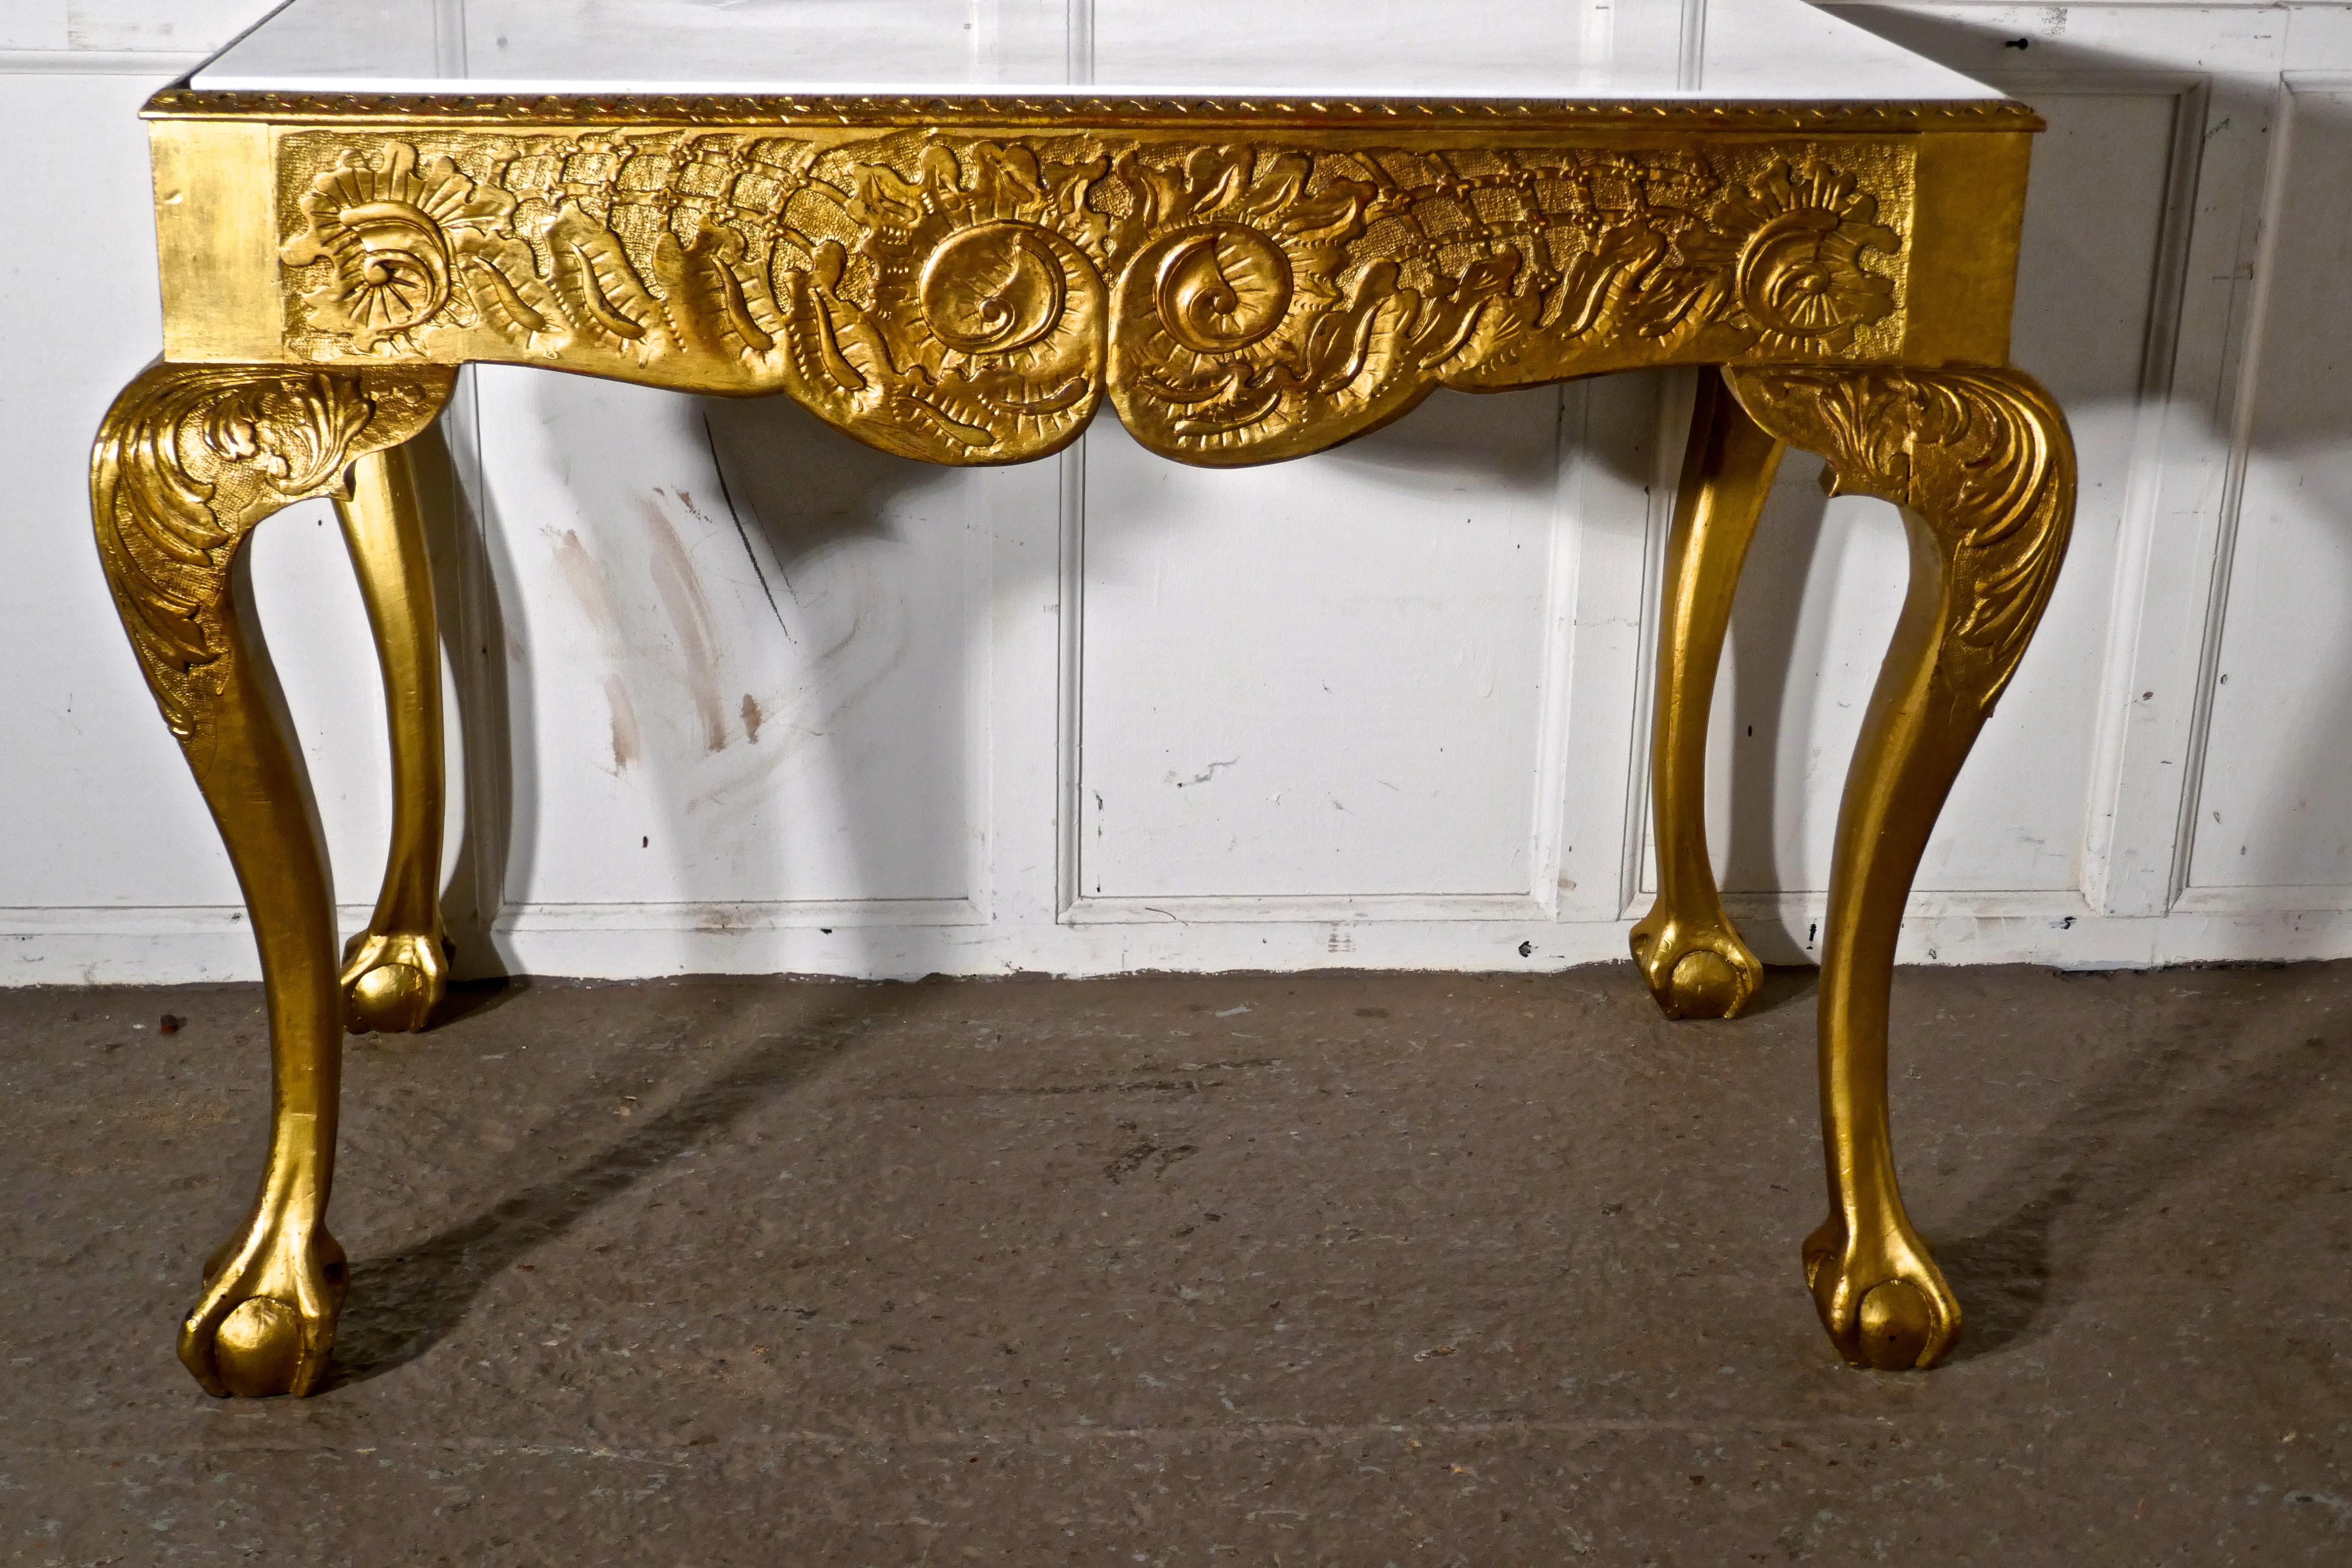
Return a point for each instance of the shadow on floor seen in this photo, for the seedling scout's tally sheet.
(2177, 1094)
(400, 1306)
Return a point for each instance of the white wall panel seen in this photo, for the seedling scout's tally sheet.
(79, 320)
(1818, 600)
(178, 27)
(107, 832)
(1326, 677)
(100, 27)
(743, 650)
(33, 25)
(2276, 804)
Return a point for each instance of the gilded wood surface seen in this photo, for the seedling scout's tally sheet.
(1689, 952)
(1983, 466)
(189, 459)
(1981, 455)
(966, 300)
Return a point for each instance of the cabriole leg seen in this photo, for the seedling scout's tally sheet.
(1687, 948)
(188, 460)
(395, 971)
(1983, 466)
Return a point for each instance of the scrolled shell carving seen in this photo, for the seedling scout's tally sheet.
(964, 322)
(387, 233)
(1800, 272)
(997, 288)
(1219, 289)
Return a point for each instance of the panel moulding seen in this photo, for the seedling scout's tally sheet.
(1546, 824)
(721, 918)
(2124, 808)
(2244, 395)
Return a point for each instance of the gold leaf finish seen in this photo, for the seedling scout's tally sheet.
(1981, 464)
(397, 968)
(965, 300)
(1690, 954)
(1801, 270)
(188, 460)
(1982, 455)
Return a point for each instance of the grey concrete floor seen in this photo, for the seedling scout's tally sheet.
(1349, 1269)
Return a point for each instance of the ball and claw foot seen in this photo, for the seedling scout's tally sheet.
(1695, 971)
(393, 983)
(1886, 1307)
(266, 1321)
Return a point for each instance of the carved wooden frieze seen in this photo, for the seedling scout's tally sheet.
(965, 300)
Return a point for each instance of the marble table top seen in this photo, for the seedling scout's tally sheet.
(1612, 50)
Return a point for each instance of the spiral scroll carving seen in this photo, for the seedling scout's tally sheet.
(1221, 290)
(997, 288)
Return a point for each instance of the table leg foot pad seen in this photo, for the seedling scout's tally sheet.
(393, 983)
(1696, 969)
(1886, 1305)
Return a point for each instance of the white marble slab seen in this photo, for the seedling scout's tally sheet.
(1606, 49)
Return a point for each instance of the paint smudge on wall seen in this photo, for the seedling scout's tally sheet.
(587, 580)
(690, 613)
(628, 742)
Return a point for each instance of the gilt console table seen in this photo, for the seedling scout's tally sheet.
(954, 228)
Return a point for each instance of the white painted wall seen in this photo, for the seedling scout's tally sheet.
(743, 695)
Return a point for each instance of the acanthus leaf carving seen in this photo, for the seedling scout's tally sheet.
(190, 458)
(1981, 455)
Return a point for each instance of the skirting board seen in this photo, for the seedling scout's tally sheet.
(190, 945)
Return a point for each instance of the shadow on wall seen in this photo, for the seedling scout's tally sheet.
(2281, 679)
(2276, 812)
(473, 644)
(765, 667)
(780, 624)
(776, 586)
(2095, 313)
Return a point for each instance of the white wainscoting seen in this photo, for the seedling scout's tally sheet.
(734, 694)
